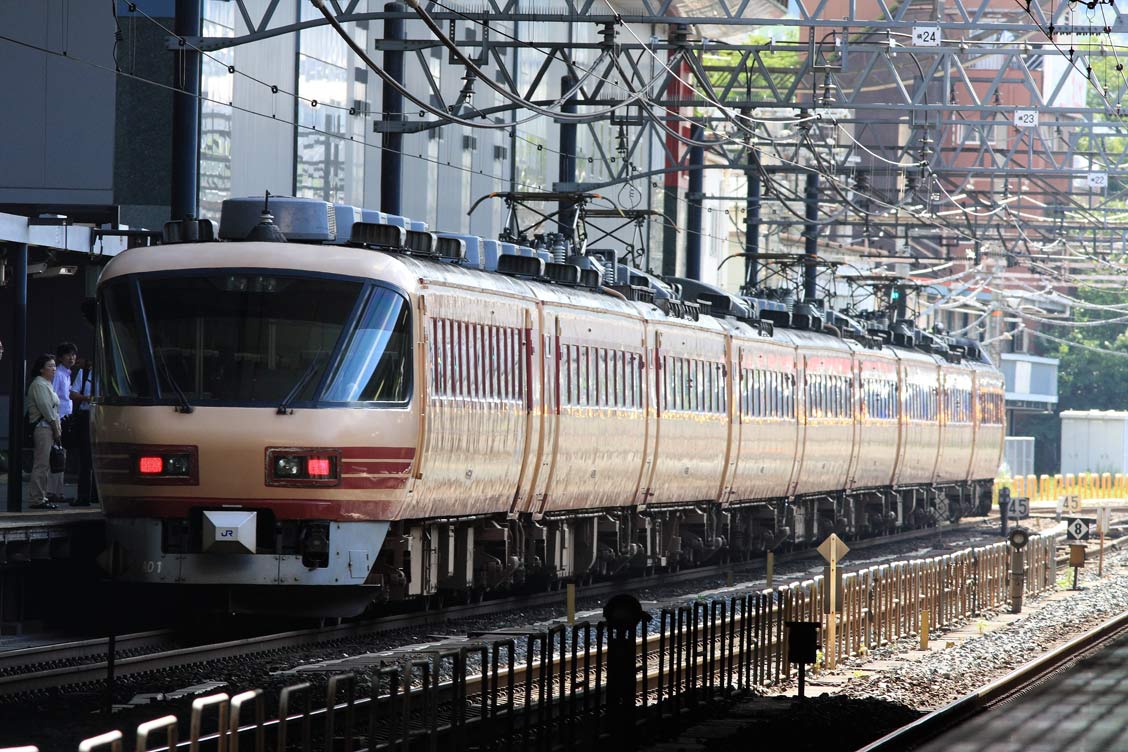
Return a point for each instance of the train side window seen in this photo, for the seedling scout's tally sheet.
(629, 365)
(663, 388)
(473, 354)
(585, 378)
(699, 386)
(620, 376)
(707, 372)
(574, 369)
(609, 364)
(509, 378)
(456, 357)
(489, 358)
(685, 380)
(599, 363)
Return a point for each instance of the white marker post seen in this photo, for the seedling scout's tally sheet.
(832, 549)
(1104, 520)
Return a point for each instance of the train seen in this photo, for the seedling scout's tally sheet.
(307, 418)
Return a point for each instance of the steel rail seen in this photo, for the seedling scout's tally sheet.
(37, 679)
(1025, 677)
(12, 661)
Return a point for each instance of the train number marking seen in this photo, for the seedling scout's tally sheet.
(151, 567)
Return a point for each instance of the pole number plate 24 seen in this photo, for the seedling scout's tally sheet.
(926, 36)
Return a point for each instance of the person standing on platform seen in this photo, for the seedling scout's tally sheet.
(83, 389)
(43, 414)
(65, 356)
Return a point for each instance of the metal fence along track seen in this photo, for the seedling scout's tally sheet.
(564, 687)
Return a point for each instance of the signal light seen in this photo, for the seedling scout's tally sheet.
(150, 465)
(318, 467)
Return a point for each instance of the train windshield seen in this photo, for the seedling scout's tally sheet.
(252, 339)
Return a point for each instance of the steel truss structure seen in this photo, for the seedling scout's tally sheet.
(914, 137)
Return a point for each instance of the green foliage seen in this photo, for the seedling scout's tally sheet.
(1087, 379)
(755, 76)
(1103, 149)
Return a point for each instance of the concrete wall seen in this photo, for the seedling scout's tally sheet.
(58, 120)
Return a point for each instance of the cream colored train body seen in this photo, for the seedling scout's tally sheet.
(507, 429)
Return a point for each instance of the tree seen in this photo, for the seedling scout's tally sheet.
(1092, 374)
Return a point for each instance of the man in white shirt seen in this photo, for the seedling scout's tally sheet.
(65, 356)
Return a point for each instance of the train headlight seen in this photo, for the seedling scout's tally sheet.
(287, 467)
(303, 467)
(178, 464)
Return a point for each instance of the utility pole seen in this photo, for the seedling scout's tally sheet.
(695, 196)
(752, 227)
(186, 114)
(567, 209)
(811, 235)
(392, 141)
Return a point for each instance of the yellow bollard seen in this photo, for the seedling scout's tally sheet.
(1059, 487)
(1070, 485)
(1018, 485)
(1117, 485)
(924, 629)
(1106, 485)
(1045, 488)
(1031, 486)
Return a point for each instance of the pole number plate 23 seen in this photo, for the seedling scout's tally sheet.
(926, 36)
(1026, 119)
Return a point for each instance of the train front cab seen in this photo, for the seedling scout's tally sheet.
(256, 428)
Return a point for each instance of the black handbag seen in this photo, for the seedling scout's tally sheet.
(58, 458)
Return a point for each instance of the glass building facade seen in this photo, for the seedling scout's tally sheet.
(298, 114)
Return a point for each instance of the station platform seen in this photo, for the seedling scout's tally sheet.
(47, 563)
(35, 535)
(1082, 708)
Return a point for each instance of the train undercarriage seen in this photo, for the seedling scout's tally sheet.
(462, 559)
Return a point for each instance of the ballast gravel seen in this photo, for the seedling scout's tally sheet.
(942, 676)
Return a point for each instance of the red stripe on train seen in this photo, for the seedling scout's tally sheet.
(371, 482)
(375, 468)
(377, 453)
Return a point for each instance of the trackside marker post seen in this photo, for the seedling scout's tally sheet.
(832, 549)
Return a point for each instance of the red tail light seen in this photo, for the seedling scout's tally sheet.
(296, 467)
(150, 465)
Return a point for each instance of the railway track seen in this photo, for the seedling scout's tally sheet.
(1000, 691)
(52, 667)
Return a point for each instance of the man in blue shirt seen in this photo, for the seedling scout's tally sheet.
(65, 355)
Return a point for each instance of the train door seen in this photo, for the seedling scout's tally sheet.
(902, 420)
(734, 356)
(424, 354)
(650, 438)
(857, 401)
(655, 384)
(550, 426)
(802, 409)
(533, 363)
(940, 420)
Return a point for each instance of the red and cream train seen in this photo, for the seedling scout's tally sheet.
(317, 426)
